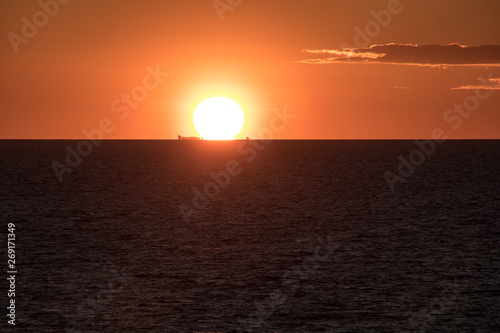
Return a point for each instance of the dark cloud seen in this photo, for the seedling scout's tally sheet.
(409, 54)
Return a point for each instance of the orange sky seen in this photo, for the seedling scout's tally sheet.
(64, 78)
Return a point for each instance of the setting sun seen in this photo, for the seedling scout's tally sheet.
(218, 118)
(250, 166)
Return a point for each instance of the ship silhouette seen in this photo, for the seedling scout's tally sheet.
(180, 137)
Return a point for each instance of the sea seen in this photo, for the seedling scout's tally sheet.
(250, 236)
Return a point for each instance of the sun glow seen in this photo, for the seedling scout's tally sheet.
(218, 118)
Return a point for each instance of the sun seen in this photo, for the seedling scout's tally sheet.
(218, 118)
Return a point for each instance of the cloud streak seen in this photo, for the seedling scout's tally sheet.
(490, 84)
(410, 54)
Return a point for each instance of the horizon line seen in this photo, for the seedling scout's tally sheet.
(288, 139)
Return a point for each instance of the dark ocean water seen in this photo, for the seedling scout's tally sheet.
(303, 236)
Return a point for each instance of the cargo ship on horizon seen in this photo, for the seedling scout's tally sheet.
(180, 137)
